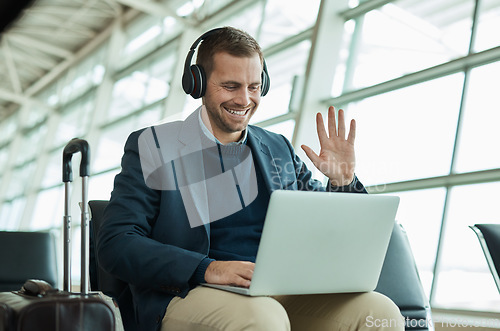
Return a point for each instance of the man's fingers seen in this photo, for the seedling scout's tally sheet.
(243, 273)
(246, 270)
(352, 132)
(332, 125)
(310, 154)
(341, 130)
(320, 127)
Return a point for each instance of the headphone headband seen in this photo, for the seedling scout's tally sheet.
(194, 77)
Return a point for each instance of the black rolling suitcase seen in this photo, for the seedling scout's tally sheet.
(39, 307)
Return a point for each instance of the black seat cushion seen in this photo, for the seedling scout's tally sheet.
(26, 255)
(102, 280)
(400, 281)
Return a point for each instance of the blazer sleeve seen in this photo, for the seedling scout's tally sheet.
(124, 244)
(354, 187)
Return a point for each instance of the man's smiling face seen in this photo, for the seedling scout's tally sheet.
(232, 95)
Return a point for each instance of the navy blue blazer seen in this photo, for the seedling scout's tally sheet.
(146, 239)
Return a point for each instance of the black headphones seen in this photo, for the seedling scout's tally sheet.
(194, 78)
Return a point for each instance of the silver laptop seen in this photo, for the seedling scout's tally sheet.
(317, 242)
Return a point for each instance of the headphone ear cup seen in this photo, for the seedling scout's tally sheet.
(264, 88)
(199, 81)
(187, 81)
(265, 80)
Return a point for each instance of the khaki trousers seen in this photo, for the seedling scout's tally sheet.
(208, 309)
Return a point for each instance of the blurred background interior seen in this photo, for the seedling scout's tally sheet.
(421, 77)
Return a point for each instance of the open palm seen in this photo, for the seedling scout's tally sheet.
(336, 158)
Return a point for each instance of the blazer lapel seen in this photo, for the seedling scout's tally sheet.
(264, 160)
(193, 191)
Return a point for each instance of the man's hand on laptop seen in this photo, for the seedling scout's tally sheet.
(235, 273)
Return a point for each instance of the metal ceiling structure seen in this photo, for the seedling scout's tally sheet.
(46, 34)
(45, 37)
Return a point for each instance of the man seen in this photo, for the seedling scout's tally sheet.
(188, 207)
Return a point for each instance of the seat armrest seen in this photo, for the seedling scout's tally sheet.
(489, 239)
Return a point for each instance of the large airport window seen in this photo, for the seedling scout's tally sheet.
(463, 279)
(407, 36)
(479, 129)
(407, 133)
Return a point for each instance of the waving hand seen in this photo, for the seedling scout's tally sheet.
(336, 158)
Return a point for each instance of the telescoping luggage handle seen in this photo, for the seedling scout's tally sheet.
(74, 146)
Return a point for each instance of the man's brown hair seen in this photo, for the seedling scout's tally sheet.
(228, 40)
